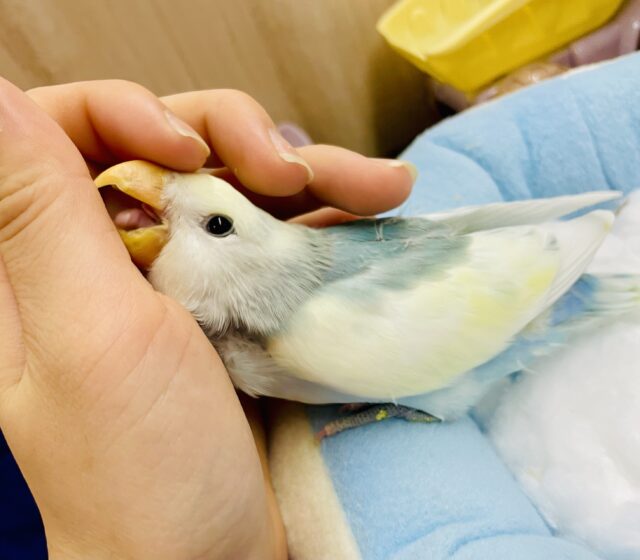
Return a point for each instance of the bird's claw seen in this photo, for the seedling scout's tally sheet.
(361, 414)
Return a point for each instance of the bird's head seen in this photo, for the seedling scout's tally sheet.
(206, 245)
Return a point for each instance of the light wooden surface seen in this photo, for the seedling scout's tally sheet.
(319, 63)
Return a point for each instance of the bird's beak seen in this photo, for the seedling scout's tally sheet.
(144, 182)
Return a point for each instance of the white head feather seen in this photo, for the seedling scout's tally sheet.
(250, 279)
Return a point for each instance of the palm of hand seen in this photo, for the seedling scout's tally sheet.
(110, 379)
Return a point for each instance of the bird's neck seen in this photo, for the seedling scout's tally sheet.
(263, 295)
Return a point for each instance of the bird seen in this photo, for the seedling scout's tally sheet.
(411, 317)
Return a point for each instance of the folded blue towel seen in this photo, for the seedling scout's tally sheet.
(399, 491)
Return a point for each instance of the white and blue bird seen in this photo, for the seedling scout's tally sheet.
(418, 317)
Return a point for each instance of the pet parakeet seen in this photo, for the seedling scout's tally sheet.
(426, 313)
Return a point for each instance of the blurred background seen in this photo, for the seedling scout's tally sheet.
(321, 64)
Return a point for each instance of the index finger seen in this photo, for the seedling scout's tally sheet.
(244, 139)
(115, 120)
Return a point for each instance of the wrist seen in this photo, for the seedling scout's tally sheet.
(273, 548)
(265, 541)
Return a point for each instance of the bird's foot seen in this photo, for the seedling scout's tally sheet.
(361, 414)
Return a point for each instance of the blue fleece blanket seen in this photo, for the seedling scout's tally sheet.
(439, 491)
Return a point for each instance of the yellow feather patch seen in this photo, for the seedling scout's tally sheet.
(401, 342)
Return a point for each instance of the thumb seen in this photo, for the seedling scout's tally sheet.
(55, 238)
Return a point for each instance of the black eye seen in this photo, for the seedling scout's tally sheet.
(220, 226)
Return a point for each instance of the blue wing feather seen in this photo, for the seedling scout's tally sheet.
(393, 251)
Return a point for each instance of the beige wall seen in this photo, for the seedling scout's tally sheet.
(317, 62)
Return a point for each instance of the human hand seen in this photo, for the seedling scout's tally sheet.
(116, 407)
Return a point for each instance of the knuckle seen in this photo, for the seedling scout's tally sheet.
(118, 83)
(231, 95)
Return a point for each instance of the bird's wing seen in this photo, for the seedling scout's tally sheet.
(382, 334)
(521, 212)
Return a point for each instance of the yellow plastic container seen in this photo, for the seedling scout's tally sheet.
(469, 43)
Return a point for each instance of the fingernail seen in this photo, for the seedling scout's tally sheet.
(184, 129)
(288, 153)
(411, 169)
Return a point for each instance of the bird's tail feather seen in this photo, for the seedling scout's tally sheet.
(616, 294)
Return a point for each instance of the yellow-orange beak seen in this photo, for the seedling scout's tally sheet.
(144, 182)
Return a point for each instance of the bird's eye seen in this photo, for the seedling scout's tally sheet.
(220, 226)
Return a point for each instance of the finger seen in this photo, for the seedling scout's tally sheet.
(115, 120)
(281, 207)
(357, 184)
(324, 217)
(58, 246)
(245, 139)
(345, 180)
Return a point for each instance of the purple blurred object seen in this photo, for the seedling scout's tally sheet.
(293, 134)
(522, 77)
(620, 36)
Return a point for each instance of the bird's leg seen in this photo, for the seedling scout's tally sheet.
(363, 414)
